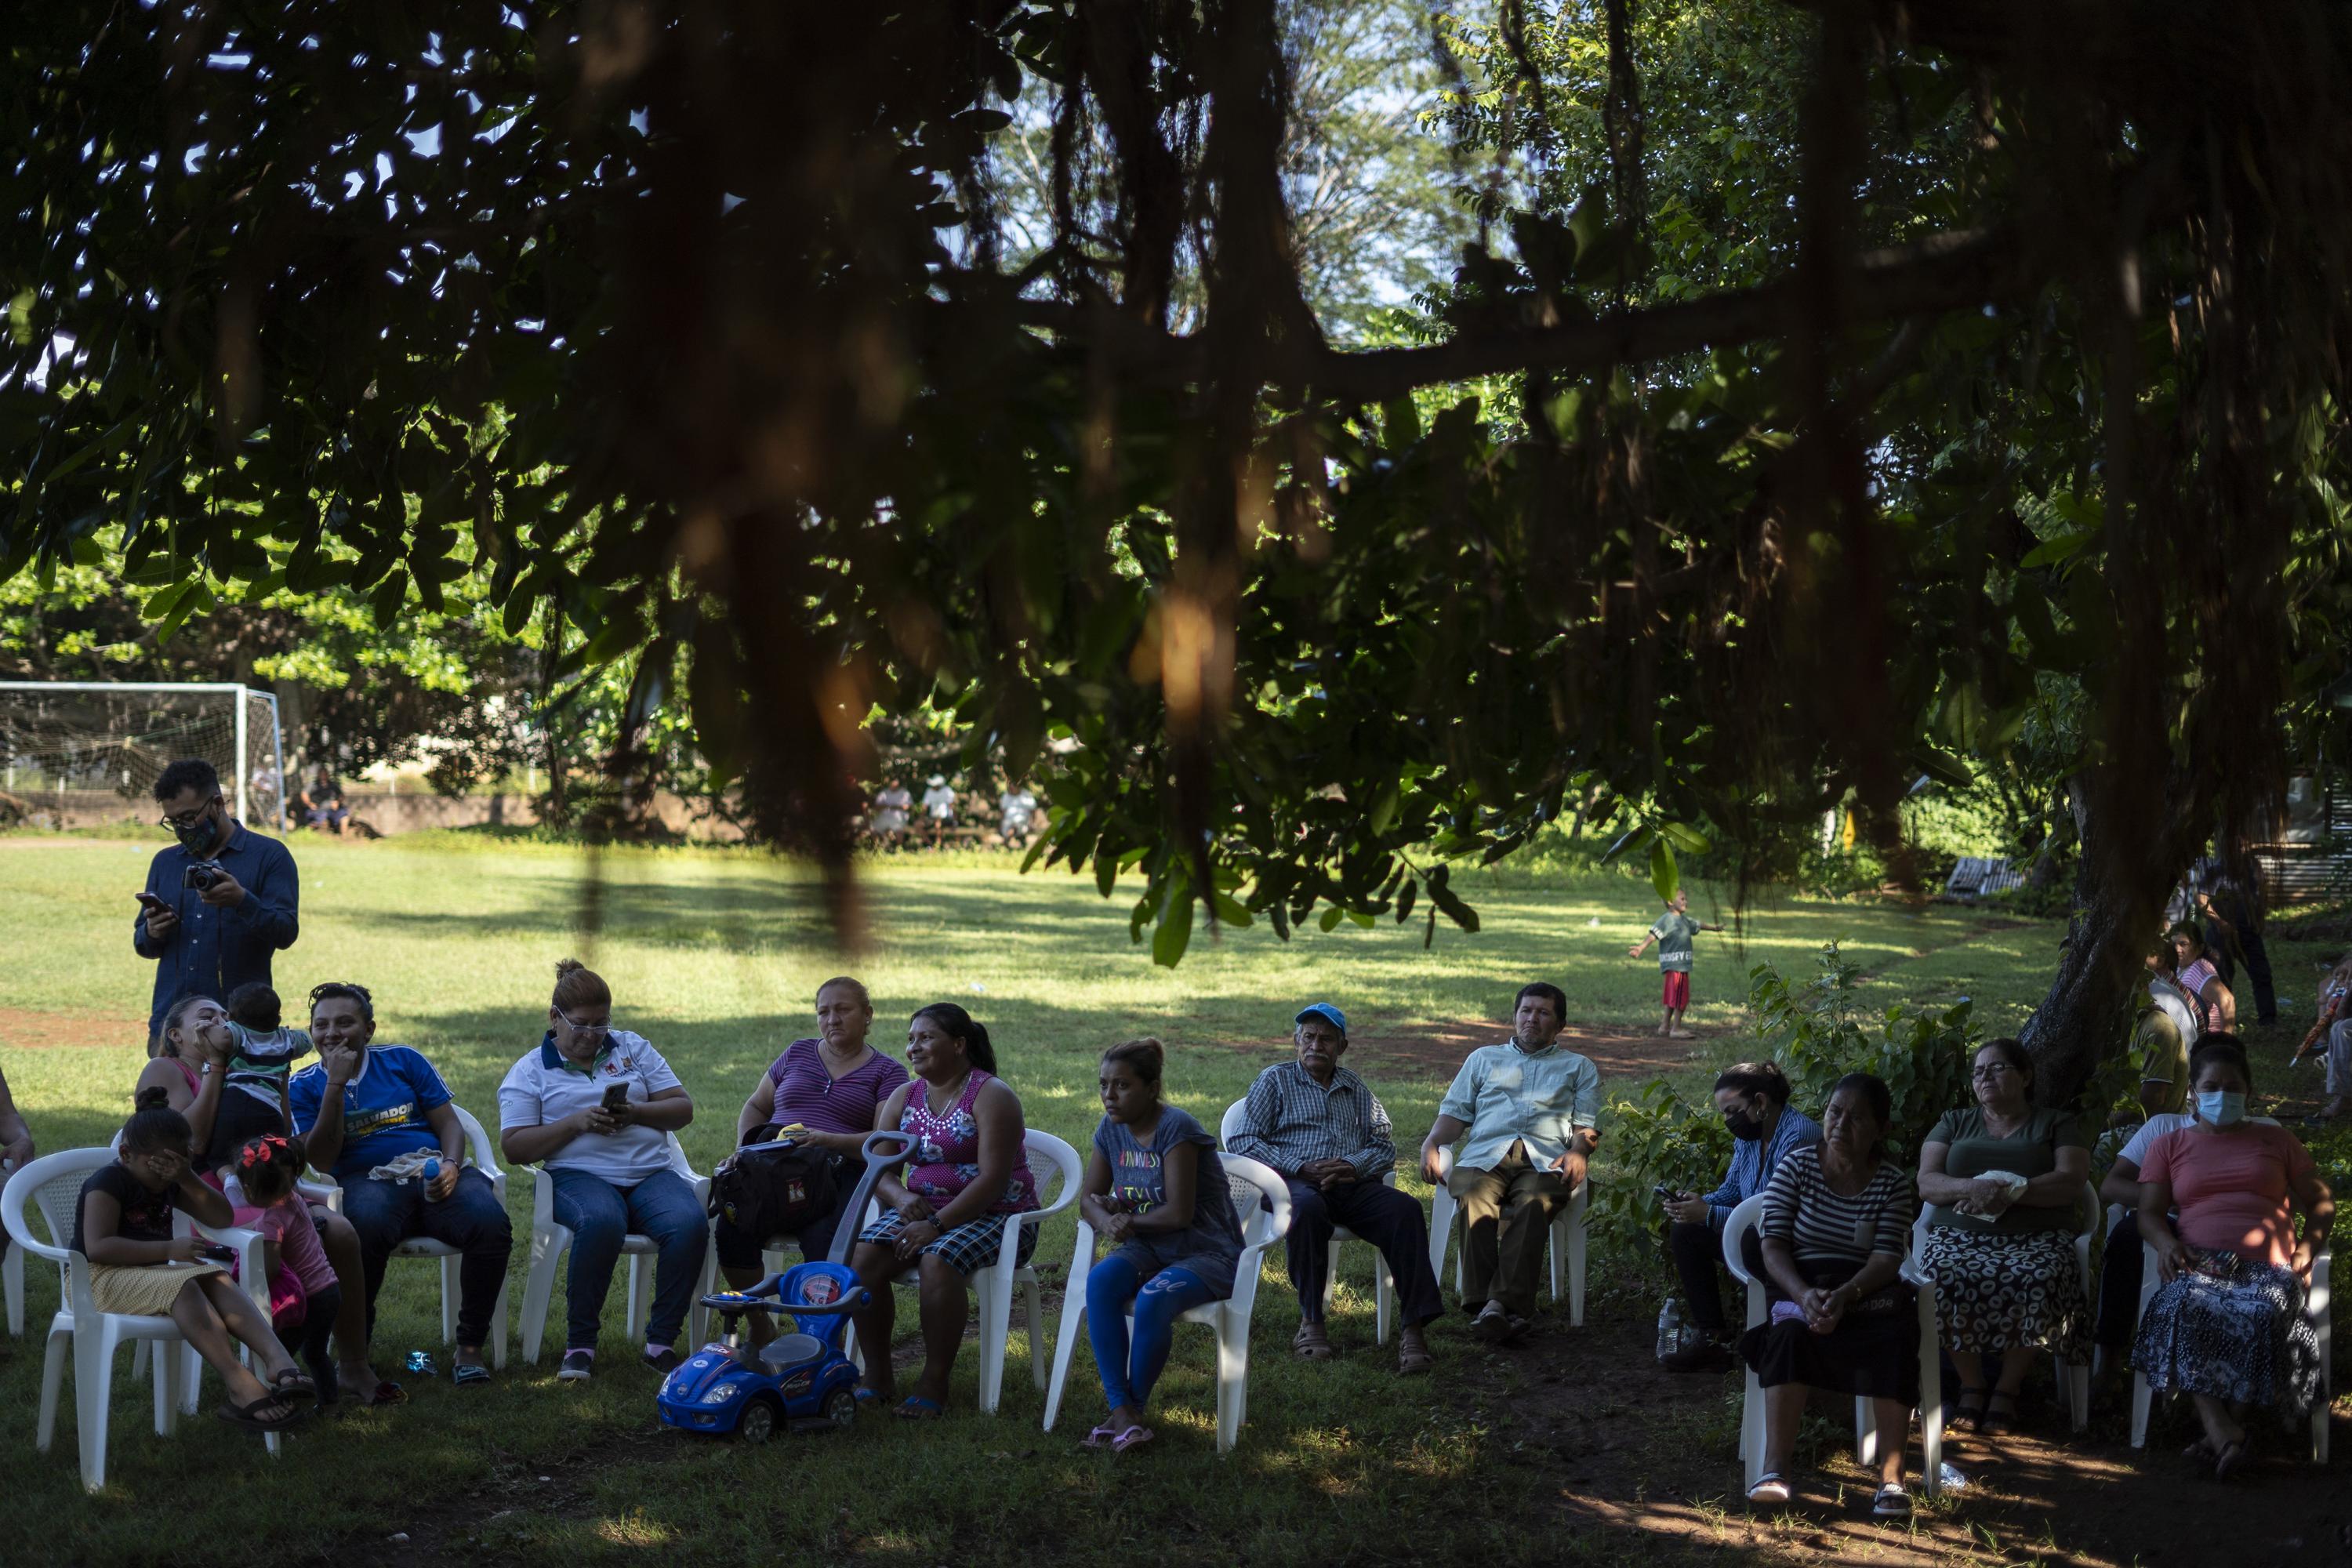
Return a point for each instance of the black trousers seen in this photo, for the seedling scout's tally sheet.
(1698, 1254)
(2119, 1282)
(1395, 1224)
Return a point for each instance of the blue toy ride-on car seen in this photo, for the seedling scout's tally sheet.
(801, 1377)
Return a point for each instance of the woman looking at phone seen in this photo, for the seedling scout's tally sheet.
(1752, 1098)
(596, 1106)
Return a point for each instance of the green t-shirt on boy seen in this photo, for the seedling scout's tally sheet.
(1674, 931)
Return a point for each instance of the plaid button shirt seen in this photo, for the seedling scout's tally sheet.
(1289, 1122)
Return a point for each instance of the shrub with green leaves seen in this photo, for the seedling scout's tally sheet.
(1819, 1031)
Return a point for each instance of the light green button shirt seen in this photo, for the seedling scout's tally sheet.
(1504, 1094)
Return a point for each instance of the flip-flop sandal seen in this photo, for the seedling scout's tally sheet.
(295, 1384)
(1892, 1502)
(384, 1393)
(914, 1407)
(1312, 1343)
(2229, 1458)
(470, 1376)
(1133, 1437)
(1969, 1412)
(1101, 1436)
(1995, 1423)
(249, 1418)
(866, 1395)
(1771, 1490)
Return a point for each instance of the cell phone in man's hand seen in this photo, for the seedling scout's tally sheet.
(149, 900)
(616, 1095)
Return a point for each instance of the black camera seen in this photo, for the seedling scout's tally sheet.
(202, 875)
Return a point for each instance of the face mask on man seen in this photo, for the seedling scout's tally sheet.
(2221, 1106)
(198, 838)
(1745, 1126)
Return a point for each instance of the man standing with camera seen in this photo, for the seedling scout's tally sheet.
(218, 902)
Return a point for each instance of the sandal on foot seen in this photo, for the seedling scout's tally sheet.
(1995, 1421)
(1133, 1437)
(251, 1416)
(1771, 1490)
(472, 1376)
(1312, 1343)
(295, 1384)
(1101, 1436)
(914, 1407)
(386, 1392)
(1969, 1410)
(2229, 1458)
(1892, 1502)
(1414, 1358)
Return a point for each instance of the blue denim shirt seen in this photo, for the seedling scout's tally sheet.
(215, 950)
(1753, 1163)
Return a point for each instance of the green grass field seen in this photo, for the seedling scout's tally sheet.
(715, 956)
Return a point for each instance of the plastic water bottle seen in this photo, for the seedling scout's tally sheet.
(428, 1175)
(1670, 1328)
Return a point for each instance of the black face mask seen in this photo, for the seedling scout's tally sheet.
(1747, 1126)
(199, 837)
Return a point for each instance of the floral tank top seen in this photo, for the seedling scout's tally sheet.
(946, 1156)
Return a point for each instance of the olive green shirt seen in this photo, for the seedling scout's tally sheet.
(2032, 1150)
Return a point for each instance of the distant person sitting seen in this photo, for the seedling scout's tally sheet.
(1323, 1131)
(218, 903)
(2168, 1026)
(939, 808)
(890, 808)
(1524, 1114)
(2331, 1040)
(1752, 1098)
(324, 802)
(1016, 814)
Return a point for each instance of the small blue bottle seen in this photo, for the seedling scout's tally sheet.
(427, 1176)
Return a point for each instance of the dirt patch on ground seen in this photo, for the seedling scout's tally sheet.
(22, 1029)
(1436, 1050)
(1643, 1449)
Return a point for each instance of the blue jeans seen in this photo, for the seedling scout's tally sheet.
(1130, 1371)
(599, 1214)
(470, 1219)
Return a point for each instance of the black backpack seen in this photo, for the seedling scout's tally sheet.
(774, 1189)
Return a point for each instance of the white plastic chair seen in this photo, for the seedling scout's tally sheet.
(53, 1184)
(1567, 1239)
(486, 1157)
(1383, 1279)
(549, 1239)
(1264, 1223)
(2073, 1377)
(2315, 1307)
(994, 1283)
(1866, 1436)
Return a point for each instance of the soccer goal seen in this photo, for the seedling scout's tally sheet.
(77, 754)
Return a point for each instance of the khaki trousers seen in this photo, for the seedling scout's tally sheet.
(1506, 1215)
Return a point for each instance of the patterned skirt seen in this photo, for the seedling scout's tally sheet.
(1997, 1292)
(2233, 1329)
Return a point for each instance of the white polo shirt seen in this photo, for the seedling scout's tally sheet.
(545, 1087)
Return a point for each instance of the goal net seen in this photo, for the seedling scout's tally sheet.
(83, 753)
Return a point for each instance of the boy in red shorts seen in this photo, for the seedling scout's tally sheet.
(1673, 934)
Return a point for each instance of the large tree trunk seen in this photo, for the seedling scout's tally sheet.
(2119, 892)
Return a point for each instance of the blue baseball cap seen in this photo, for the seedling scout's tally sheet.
(1325, 1011)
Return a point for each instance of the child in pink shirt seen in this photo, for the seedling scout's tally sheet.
(265, 1170)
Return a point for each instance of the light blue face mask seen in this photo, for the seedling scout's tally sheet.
(2221, 1106)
